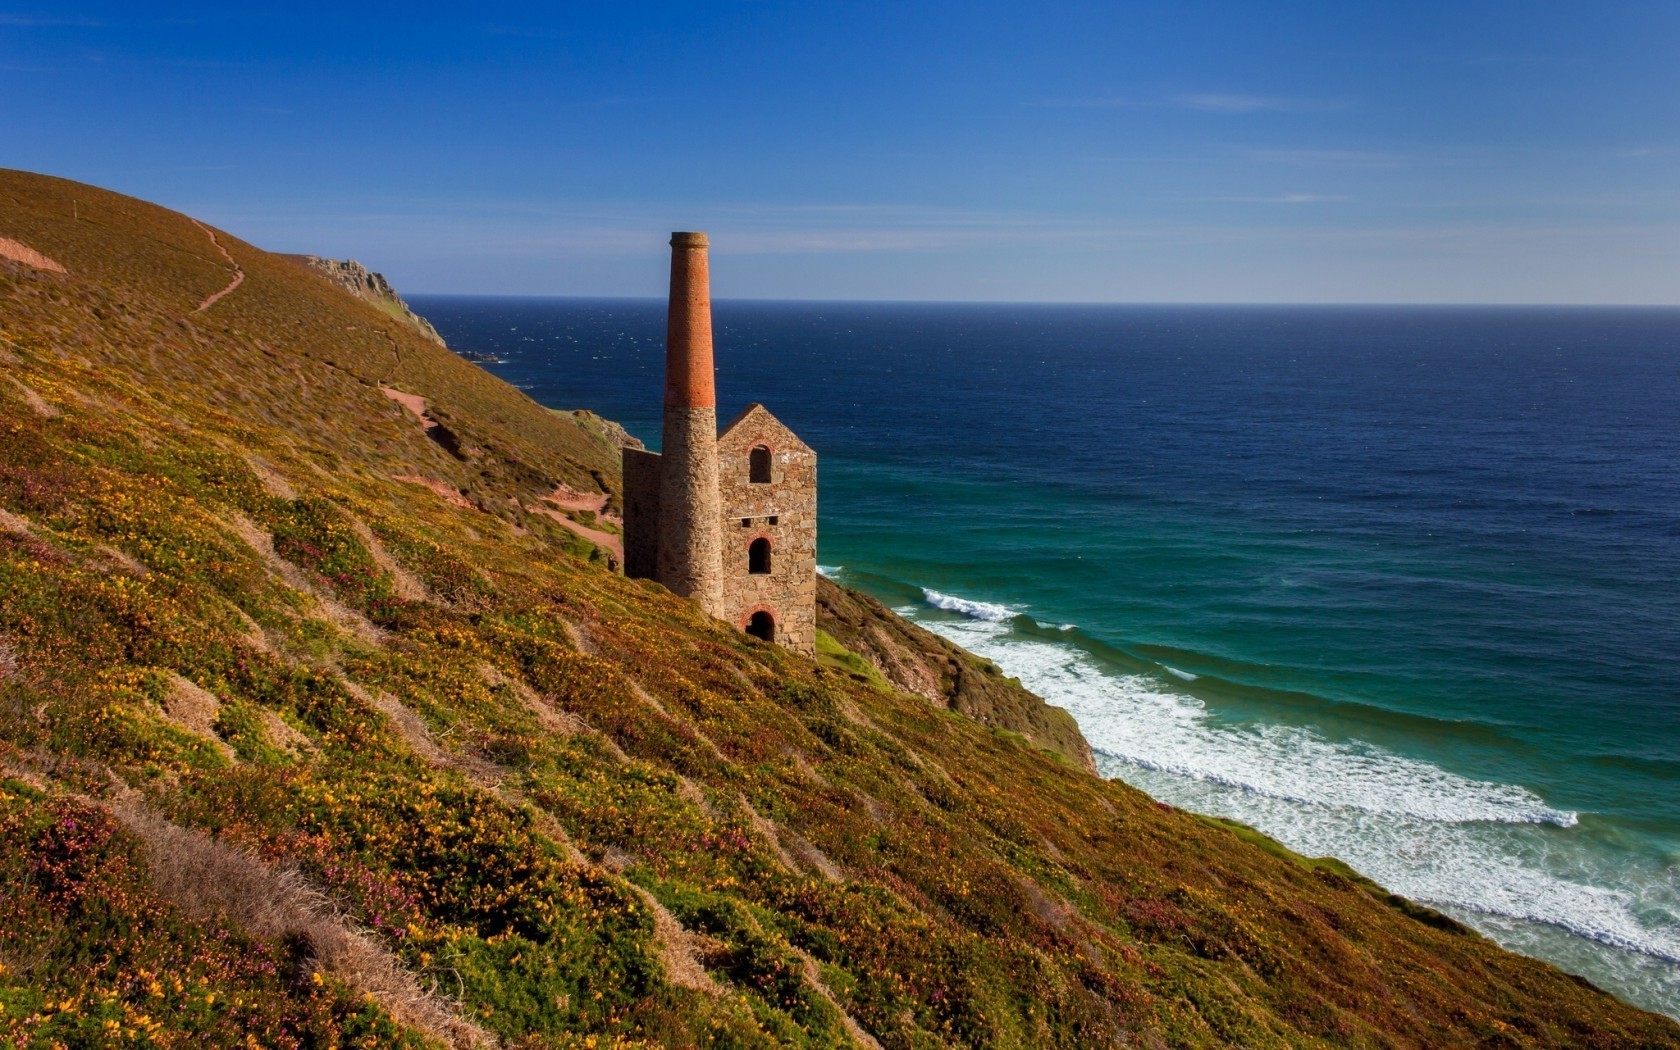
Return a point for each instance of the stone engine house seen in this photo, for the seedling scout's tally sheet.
(728, 519)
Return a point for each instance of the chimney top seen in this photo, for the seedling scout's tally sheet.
(688, 326)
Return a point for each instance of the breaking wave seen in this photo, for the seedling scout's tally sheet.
(985, 611)
(1478, 848)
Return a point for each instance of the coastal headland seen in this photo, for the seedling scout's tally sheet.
(324, 718)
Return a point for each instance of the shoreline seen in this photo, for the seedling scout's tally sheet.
(1622, 969)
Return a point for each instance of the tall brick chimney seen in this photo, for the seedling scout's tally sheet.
(690, 558)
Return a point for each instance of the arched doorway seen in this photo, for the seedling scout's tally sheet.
(762, 625)
(758, 557)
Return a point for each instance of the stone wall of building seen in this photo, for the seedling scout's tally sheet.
(783, 511)
(641, 513)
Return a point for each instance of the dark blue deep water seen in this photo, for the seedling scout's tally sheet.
(1399, 585)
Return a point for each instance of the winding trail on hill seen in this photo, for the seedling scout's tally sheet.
(568, 499)
(238, 272)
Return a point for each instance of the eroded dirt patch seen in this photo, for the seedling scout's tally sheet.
(23, 253)
(439, 434)
(37, 404)
(605, 540)
(449, 495)
(272, 481)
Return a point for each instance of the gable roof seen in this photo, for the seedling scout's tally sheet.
(755, 424)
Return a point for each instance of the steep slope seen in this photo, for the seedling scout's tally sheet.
(299, 748)
(918, 661)
(285, 350)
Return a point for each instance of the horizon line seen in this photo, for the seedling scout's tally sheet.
(1503, 304)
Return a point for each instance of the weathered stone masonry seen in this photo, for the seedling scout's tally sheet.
(728, 519)
(781, 511)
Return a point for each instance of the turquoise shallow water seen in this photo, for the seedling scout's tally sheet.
(1396, 585)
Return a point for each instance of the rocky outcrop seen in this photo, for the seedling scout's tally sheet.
(918, 661)
(609, 432)
(371, 287)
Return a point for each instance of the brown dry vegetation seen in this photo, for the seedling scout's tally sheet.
(211, 881)
(359, 751)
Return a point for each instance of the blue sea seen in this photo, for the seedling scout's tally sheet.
(1399, 585)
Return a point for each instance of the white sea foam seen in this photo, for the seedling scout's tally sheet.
(985, 611)
(1132, 719)
(1478, 847)
(830, 571)
(1056, 626)
(1186, 675)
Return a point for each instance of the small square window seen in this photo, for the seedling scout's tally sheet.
(775, 519)
(746, 523)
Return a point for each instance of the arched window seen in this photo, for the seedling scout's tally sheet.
(762, 625)
(760, 465)
(758, 556)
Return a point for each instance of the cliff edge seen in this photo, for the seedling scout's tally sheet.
(370, 287)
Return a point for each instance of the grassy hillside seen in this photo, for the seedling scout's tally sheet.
(312, 734)
(285, 351)
(916, 660)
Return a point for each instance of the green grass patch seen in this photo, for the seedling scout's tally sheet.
(833, 655)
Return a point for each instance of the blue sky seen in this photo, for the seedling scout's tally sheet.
(1220, 152)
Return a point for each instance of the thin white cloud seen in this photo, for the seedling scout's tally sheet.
(1224, 102)
(1098, 102)
(888, 255)
(527, 32)
(511, 229)
(1201, 101)
(1497, 59)
(18, 21)
(841, 215)
(1288, 198)
(1342, 158)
